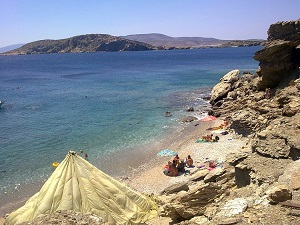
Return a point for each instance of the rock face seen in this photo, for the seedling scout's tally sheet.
(280, 58)
(272, 120)
(224, 86)
(82, 43)
(192, 203)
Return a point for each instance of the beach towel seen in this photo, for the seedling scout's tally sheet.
(204, 141)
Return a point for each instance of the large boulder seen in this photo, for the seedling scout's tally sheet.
(279, 193)
(225, 85)
(175, 188)
(192, 203)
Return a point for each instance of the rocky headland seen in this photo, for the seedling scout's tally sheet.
(81, 43)
(260, 182)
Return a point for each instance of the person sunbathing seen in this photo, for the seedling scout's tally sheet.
(211, 165)
(208, 137)
(173, 170)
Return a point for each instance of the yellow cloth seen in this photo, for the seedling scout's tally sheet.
(79, 186)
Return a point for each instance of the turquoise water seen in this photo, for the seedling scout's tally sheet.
(98, 102)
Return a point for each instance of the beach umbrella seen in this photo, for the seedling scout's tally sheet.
(167, 152)
(79, 186)
(209, 118)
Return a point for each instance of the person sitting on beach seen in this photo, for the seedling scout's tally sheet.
(176, 159)
(181, 166)
(211, 165)
(171, 170)
(189, 161)
(208, 137)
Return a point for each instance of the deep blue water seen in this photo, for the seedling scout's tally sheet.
(98, 102)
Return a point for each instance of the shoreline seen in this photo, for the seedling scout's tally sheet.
(135, 168)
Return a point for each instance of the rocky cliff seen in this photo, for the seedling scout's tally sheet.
(261, 183)
(82, 43)
(279, 59)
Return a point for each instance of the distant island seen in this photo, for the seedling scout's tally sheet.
(167, 42)
(137, 42)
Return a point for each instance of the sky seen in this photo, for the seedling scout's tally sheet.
(23, 21)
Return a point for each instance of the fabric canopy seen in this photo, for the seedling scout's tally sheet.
(79, 186)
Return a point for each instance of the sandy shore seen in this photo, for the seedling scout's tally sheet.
(149, 178)
(142, 170)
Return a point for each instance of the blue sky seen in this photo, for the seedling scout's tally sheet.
(23, 21)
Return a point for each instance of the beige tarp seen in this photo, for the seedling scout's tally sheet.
(78, 185)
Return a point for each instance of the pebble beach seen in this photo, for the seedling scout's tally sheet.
(149, 178)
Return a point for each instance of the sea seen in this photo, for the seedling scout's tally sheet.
(104, 104)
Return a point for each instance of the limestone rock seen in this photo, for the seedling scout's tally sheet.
(297, 83)
(198, 220)
(199, 175)
(189, 119)
(234, 207)
(235, 158)
(291, 176)
(212, 175)
(280, 56)
(175, 188)
(280, 138)
(224, 86)
(279, 193)
(229, 221)
(272, 146)
(191, 204)
(295, 180)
